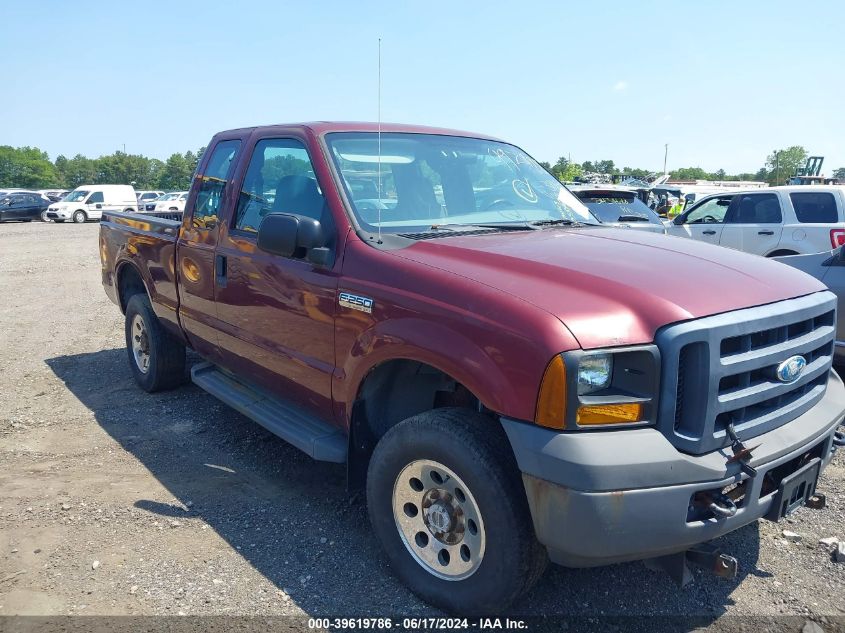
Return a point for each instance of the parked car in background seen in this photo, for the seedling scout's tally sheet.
(771, 222)
(173, 201)
(88, 202)
(618, 206)
(25, 206)
(829, 268)
(54, 194)
(147, 196)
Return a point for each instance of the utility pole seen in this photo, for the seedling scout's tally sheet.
(665, 157)
(777, 167)
(124, 148)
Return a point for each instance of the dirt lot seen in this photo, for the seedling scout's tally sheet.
(118, 502)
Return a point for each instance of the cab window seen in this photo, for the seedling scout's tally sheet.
(96, 197)
(213, 183)
(280, 179)
(709, 212)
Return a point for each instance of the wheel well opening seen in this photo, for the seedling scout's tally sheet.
(129, 283)
(392, 392)
(781, 253)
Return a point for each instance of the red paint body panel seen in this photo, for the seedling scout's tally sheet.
(614, 286)
(489, 310)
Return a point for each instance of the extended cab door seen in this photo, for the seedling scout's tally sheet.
(703, 221)
(195, 263)
(754, 223)
(277, 313)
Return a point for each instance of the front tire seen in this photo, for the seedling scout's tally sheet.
(156, 358)
(79, 217)
(446, 501)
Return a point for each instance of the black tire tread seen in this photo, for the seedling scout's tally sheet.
(167, 369)
(485, 446)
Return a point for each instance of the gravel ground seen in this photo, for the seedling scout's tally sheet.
(119, 502)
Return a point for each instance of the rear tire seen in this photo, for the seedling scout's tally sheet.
(156, 357)
(466, 480)
(79, 217)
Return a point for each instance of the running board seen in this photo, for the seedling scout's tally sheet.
(313, 436)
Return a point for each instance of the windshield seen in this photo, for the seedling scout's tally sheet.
(617, 206)
(427, 179)
(76, 196)
(169, 196)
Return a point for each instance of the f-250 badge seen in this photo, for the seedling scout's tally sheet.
(355, 302)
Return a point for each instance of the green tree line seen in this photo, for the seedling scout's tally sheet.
(30, 168)
(778, 167)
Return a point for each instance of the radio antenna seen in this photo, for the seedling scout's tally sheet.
(378, 203)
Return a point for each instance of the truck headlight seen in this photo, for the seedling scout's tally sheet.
(594, 373)
(603, 388)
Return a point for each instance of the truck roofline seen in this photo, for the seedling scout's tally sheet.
(319, 128)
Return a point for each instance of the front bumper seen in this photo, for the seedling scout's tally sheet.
(610, 496)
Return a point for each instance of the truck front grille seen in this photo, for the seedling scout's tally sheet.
(721, 370)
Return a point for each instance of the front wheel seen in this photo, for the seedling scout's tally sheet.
(156, 358)
(79, 217)
(446, 501)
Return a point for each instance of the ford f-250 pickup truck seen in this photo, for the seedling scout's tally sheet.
(508, 380)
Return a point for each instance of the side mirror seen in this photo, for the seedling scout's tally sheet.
(679, 220)
(290, 235)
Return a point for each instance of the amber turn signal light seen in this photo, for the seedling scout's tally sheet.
(597, 414)
(551, 404)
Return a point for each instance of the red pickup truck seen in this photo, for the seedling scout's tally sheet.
(508, 379)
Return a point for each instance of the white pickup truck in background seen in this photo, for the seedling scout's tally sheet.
(776, 221)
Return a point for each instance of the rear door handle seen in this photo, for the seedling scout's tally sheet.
(765, 232)
(220, 270)
(708, 232)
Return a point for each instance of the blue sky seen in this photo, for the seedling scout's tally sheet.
(724, 83)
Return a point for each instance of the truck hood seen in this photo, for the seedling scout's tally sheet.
(614, 286)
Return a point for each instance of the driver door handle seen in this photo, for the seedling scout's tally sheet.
(708, 232)
(765, 232)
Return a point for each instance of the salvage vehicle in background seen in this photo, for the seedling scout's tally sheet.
(618, 206)
(24, 207)
(173, 201)
(145, 197)
(509, 381)
(770, 222)
(829, 268)
(88, 202)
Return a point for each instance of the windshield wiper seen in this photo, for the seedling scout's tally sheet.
(561, 221)
(494, 225)
(632, 218)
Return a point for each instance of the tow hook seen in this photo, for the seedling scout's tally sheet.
(722, 506)
(705, 556)
(839, 438)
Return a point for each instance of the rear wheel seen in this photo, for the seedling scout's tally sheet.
(79, 217)
(446, 501)
(156, 358)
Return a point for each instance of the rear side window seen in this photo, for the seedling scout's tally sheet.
(213, 183)
(760, 208)
(815, 207)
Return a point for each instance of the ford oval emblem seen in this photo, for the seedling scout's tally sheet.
(790, 369)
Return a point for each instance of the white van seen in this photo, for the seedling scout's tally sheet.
(89, 201)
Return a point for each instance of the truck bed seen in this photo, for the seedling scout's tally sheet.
(148, 242)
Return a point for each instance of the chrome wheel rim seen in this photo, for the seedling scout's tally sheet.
(140, 343)
(438, 520)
